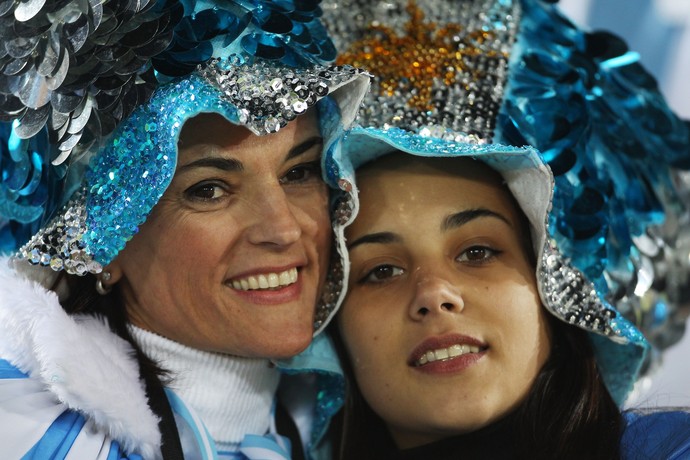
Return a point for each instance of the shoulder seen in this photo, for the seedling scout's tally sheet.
(37, 425)
(62, 368)
(656, 434)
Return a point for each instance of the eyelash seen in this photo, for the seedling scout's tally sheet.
(370, 276)
(312, 168)
(492, 253)
(489, 254)
(191, 192)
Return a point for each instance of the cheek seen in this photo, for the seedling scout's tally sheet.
(313, 209)
(315, 223)
(362, 336)
(354, 336)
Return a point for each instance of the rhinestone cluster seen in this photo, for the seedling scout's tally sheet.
(269, 96)
(570, 296)
(60, 245)
(435, 76)
(331, 292)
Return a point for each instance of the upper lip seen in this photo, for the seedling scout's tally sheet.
(444, 341)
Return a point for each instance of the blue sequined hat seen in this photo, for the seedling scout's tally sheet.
(113, 83)
(110, 84)
(500, 81)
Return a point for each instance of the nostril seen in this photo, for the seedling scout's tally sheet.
(447, 306)
(423, 311)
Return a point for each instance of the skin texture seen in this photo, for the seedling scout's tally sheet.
(238, 205)
(421, 278)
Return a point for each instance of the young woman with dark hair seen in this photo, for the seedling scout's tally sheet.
(461, 340)
(444, 334)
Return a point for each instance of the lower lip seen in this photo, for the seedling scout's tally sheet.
(452, 365)
(272, 296)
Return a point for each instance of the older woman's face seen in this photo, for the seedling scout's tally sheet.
(233, 256)
(442, 322)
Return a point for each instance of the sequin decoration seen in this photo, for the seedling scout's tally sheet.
(28, 189)
(517, 62)
(432, 74)
(61, 245)
(287, 31)
(612, 142)
(331, 293)
(570, 296)
(132, 171)
(78, 68)
(270, 96)
(330, 398)
(71, 72)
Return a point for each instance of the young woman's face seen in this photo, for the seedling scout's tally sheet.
(442, 322)
(233, 256)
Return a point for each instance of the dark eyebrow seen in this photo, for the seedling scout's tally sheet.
(380, 238)
(461, 218)
(304, 146)
(222, 163)
(233, 165)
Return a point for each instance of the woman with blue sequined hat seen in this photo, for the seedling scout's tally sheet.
(503, 197)
(168, 227)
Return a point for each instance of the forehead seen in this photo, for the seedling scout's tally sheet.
(216, 133)
(400, 179)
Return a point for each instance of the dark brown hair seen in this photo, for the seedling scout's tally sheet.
(568, 413)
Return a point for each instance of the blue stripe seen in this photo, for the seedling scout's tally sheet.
(116, 453)
(8, 371)
(206, 444)
(58, 439)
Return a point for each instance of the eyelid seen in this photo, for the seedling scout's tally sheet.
(368, 276)
(493, 253)
(312, 167)
(189, 192)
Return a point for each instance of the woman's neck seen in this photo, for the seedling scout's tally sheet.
(232, 395)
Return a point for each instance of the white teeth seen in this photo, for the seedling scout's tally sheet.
(446, 353)
(273, 280)
(266, 280)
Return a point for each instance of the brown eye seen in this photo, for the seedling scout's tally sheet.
(206, 191)
(381, 273)
(303, 173)
(477, 254)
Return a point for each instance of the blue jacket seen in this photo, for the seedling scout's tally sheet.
(656, 436)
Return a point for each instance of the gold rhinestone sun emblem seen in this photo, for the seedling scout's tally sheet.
(412, 63)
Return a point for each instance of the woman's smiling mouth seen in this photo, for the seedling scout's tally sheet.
(441, 354)
(272, 280)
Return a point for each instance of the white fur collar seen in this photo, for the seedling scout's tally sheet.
(79, 359)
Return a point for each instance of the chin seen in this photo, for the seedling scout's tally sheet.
(293, 344)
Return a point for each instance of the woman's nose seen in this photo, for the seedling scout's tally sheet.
(435, 295)
(273, 220)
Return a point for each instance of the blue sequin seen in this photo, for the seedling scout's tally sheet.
(576, 107)
(144, 152)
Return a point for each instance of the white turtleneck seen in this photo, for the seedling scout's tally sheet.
(232, 395)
